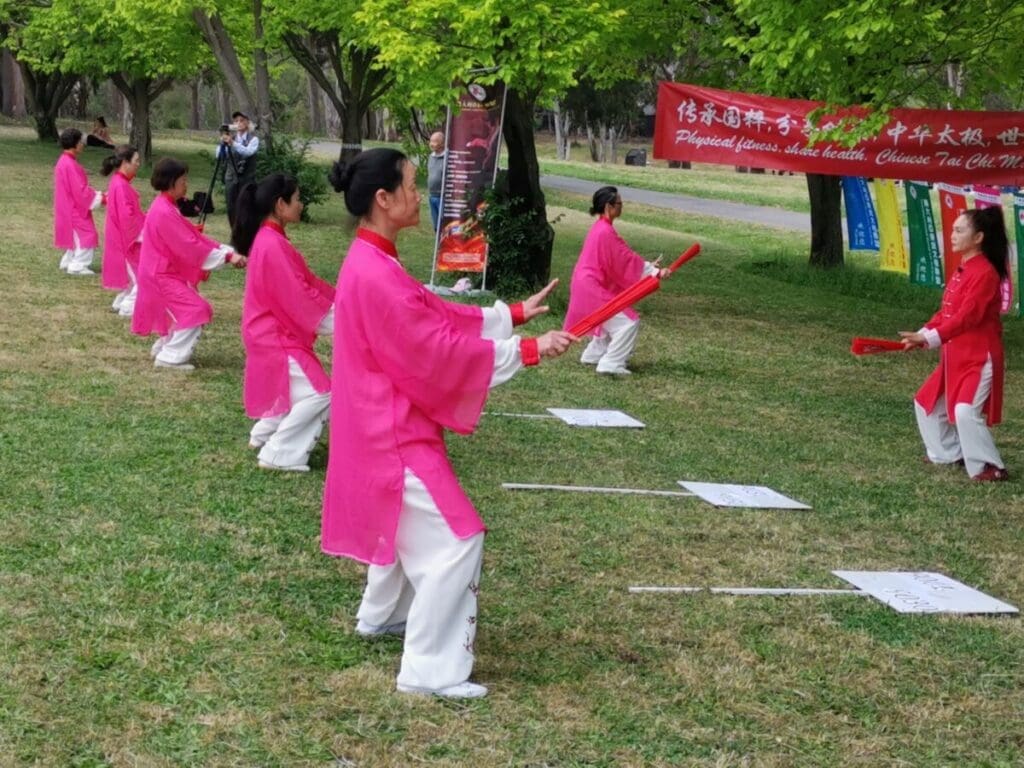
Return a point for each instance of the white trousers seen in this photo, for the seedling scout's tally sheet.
(612, 349)
(288, 439)
(432, 586)
(177, 346)
(969, 439)
(124, 302)
(78, 259)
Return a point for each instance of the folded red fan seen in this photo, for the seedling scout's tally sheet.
(865, 346)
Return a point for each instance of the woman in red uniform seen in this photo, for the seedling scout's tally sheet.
(964, 395)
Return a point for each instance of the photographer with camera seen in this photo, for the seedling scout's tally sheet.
(238, 148)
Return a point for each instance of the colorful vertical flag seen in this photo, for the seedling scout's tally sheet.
(952, 202)
(890, 228)
(925, 256)
(472, 141)
(1018, 218)
(991, 197)
(861, 222)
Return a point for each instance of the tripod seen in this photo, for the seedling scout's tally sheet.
(220, 166)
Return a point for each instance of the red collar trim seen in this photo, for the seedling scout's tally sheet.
(378, 241)
(276, 227)
(125, 176)
(170, 197)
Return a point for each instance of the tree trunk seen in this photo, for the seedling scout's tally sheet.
(193, 122)
(317, 123)
(264, 112)
(351, 134)
(524, 181)
(13, 86)
(825, 194)
(613, 146)
(141, 92)
(217, 37)
(560, 142)
(224, 103)
(45, 93)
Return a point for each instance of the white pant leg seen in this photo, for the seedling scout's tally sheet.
(81, 259)
(595, 350)
(444, 574)
(262, 430)
(976, 440)
(299, 429)
(157, 346)
(387, 596)
(127, 306)
(178, 346)
(622, 333)
(939, 436)
(119, 300)
(66, 259)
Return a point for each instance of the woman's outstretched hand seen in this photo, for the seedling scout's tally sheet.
(554, 343)
(912, 339)
(535, 305)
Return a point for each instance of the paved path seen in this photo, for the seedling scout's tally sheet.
(752, 214)
(722, 209)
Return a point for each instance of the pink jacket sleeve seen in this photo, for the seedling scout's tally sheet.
(623, 266)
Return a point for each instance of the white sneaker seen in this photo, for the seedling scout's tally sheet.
(614, 371)
(283, 468)
(256, 444)
(184, 367)
(466, 690)
(83, 272)
(374, 630)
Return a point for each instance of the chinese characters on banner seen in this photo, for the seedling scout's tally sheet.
(471, 161)
(890, 228)
(925, 257)
(990, 197)
(1018, 228)
(952, 202)
(861, 221)
(708, 125)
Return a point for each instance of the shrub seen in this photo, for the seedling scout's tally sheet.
(291, 156)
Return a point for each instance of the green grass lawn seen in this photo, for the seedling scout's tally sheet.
(164, 603)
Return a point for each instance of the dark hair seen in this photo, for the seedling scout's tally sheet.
(255, 203)
(70, 138)
(239, 114)
(167, 171)
(989, 222)
(101, 121)
(604, 196)
(371, 170)
(122, 154)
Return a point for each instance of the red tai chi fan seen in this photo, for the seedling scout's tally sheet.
(864, 346)
(645, 286)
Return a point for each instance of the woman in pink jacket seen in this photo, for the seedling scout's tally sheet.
(286, 307)
(964, 395)
(606, 267)
(122, 235)
(73, 203)
(407, 366)
(175, 258)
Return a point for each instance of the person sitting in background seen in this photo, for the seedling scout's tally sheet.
(99, 136)
(285, 308)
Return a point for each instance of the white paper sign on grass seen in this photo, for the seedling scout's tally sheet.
(924, 592)
(754, 496)
(584, 417)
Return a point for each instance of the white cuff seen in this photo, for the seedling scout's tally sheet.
(650, 269)
(497, 321)
(326, 327)
(932, 337)
(507, 360)
(216, 258)
(96, 201)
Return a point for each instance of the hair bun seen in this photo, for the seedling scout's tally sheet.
(340, 175)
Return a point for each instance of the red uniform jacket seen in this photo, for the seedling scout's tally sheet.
(969, 326)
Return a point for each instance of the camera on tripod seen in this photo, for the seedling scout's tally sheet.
(227, 129)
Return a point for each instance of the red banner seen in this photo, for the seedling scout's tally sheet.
(706, 125)
(952, 202)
